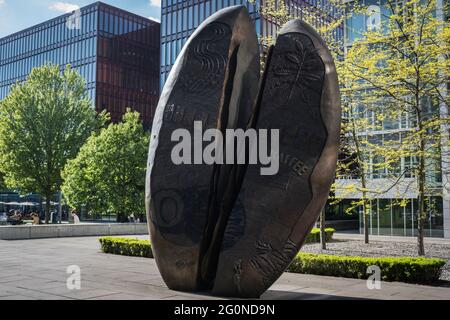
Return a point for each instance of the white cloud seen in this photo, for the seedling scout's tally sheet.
(155, 3)
(63, 7)
(155, 19)
(2, 2)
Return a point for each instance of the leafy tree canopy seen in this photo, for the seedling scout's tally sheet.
(44, 121)
(395, 103)
(108, 175)
(2, 182)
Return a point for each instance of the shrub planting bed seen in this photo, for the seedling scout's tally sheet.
(314, 236)
(402, 269)
(126, 247)
(143, 248)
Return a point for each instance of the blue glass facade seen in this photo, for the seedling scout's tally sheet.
(115, 51)
(179, 18)
(376, 16)
(127, 64)
(386, 216)
(54, 42)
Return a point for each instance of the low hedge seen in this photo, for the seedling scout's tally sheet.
(143, 248)
(126, 247)
(402, 269)
(314, 236)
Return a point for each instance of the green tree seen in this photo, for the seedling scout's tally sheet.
(367, 167)
(323, 237)
(108, 175)
(2, 182)
(402, 67)
(43, 123)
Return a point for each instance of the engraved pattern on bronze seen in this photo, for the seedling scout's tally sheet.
(227, 227)
(178, 197)
(269, 262)
(274, 205)
(237, 274)
(235, 226)
(210, 53)
(179, 194)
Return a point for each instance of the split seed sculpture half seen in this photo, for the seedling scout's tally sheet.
(223, 227)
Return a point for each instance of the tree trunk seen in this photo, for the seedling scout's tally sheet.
(421, 180)
(363, 182)
(121, 217)
(47, 207)
(366, 225)
(323, 237)
(421, 216)
(365, 211)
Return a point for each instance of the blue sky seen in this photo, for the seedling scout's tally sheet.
(16, 15)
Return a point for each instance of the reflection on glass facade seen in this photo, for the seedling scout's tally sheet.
(50, 41)
(179, 18)
(115, 51)
(376, 17)
(127, 63)
(388, 217)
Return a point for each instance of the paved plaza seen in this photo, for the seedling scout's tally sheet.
(36, 269)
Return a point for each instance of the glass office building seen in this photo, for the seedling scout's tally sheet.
(116, 52)
(387, 216)
(179, 18)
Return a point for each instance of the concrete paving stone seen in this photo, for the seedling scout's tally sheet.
(281, 295)
(406, 296)
(284, 295)
(135, 289)
(181, 297)
(14, 278)
(17, 297)
(42, 264)
(356, 296)
(123, 296)
(144, 289)
(49, 276)
(37, 295)
(120, 287)
(86, 293)
(4, 292)
(36, 284)
(313, 290)
(197, 296)
(153, 283)
(286, 287)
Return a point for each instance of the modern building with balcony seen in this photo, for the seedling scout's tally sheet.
(116, 52)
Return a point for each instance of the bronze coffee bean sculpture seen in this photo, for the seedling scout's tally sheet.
(226, 227)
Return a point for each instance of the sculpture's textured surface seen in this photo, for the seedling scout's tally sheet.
(300, 97)
(220, 56)
(227, 227)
